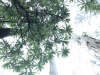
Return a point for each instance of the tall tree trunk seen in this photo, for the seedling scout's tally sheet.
(92, 43)
(53, 70)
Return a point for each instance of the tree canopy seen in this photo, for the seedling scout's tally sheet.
(34, 24)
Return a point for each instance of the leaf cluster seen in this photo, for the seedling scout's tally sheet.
(89, 5)
(34, 24)
(85, 34)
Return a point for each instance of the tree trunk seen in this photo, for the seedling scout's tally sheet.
(53, 70)
(92, 43)
(4, 32)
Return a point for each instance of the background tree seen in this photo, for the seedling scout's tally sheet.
(34, 24)
(93, 42)
(88, 8)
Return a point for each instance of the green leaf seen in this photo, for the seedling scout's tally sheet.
(6, 66)
(4, 48)
(71, 0)
(1, 53)
(23, 73)
(1, 44)
(82, 8)
(65, 52)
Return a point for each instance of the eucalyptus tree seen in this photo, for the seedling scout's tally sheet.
(34, 24)
(89, 42)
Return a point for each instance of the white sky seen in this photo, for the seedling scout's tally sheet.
(78, 61)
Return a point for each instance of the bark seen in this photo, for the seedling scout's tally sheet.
(4, 32)
(53, 70)
(92, 43)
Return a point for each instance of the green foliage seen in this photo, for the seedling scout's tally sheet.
(65, 52)
(89, 6)
(34, 24)
(71, 0)
(85, 34)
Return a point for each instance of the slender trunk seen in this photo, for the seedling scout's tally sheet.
(92, 43)
(53, 70)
